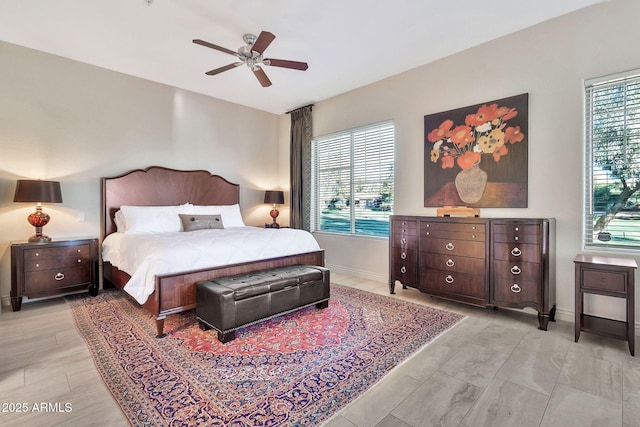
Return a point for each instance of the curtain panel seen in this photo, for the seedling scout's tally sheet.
(300, 164)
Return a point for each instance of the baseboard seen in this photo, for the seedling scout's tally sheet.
(362, 274)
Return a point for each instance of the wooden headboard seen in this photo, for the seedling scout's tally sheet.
(160, 186)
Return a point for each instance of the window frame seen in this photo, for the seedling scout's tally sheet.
(386, 144)
(591, 87)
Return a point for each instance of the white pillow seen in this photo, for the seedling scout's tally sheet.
(121, 224)
(152, 219)
(231, 216)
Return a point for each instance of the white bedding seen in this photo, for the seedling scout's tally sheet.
(143, 256)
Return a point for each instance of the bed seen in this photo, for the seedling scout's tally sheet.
(174, 291)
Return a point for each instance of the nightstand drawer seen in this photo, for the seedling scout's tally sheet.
(57, 278)
(49, 263)
(604, 280)
(57, 252)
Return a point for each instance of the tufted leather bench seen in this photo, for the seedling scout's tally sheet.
(229, 303)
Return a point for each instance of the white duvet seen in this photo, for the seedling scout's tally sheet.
(143, 256)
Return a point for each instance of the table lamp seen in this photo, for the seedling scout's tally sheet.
(39, 192)
(276, 198)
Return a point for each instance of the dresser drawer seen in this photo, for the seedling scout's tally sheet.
(516, 252)
(516, 237)
(516, 270)
(516, 291)
(452, 263)
(453, 231)
(57, 278)
(454, 283)
(405, 240)
(463, 248)
(604, 280)
(404, 266)
(404, 226)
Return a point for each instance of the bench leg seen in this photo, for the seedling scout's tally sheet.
(225, 338)
(323, 304)
(203, 325)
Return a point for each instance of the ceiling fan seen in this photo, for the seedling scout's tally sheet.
(251, 56)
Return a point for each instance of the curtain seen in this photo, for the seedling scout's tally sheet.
(300, 164)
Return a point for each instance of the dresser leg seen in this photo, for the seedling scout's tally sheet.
(543, 321)
(552, 313)
(16, 303)
(392, 287)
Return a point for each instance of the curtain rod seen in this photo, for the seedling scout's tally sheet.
(291, 111)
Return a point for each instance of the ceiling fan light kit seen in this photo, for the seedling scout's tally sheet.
(251, 55)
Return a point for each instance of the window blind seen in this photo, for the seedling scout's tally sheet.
(353, 180)
(612, 161)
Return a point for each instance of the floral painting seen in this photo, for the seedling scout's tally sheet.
(477, 156)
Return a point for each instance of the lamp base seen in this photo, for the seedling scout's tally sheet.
(39, 239)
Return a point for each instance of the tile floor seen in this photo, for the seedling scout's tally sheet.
(495, 368)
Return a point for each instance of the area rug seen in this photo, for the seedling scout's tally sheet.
(295, 370)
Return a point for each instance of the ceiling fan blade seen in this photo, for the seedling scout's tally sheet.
(296, 65)
(262, 42)
(216, 47)
(261, 76)
(221, 69)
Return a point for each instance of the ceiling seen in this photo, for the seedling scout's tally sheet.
(347, 43)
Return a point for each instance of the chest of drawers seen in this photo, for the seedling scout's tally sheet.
(52, 268)
(498, 262)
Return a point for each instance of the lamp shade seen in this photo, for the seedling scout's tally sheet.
(276, 197)
(38, 191)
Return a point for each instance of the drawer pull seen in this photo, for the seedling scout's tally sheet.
(449, 279)
(79, 260)
(403, 255)
(37, 265)
(517, 229)
(449, 246)
(78, 250)
(516, 270)
(516, 252)
(603, 279)
(473, 236)
(473, 228)
(59, 276)
(450, 263)
(403, 241)
(37, 253)
(517, 238)
(403, 269)
(515, 288)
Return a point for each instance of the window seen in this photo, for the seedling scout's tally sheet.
(612, 190)
(352, 185)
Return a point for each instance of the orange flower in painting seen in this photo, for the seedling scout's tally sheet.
(441, 131)
(468, 159)
(447, 161)
(501, 151)
(462, 135)
(484, 132)
(485, 114)
(513, 134)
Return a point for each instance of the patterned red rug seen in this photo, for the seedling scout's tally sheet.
(298, 369)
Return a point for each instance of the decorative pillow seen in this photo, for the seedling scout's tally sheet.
(200, 222)
(231, 216)
(152, 219)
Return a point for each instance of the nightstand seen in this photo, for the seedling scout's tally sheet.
(53, 268)
(608, 276)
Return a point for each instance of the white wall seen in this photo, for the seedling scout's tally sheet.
(550, 62)
(75, 123)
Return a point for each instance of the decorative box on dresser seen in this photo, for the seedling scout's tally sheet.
(500, 262)
(53, 268)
